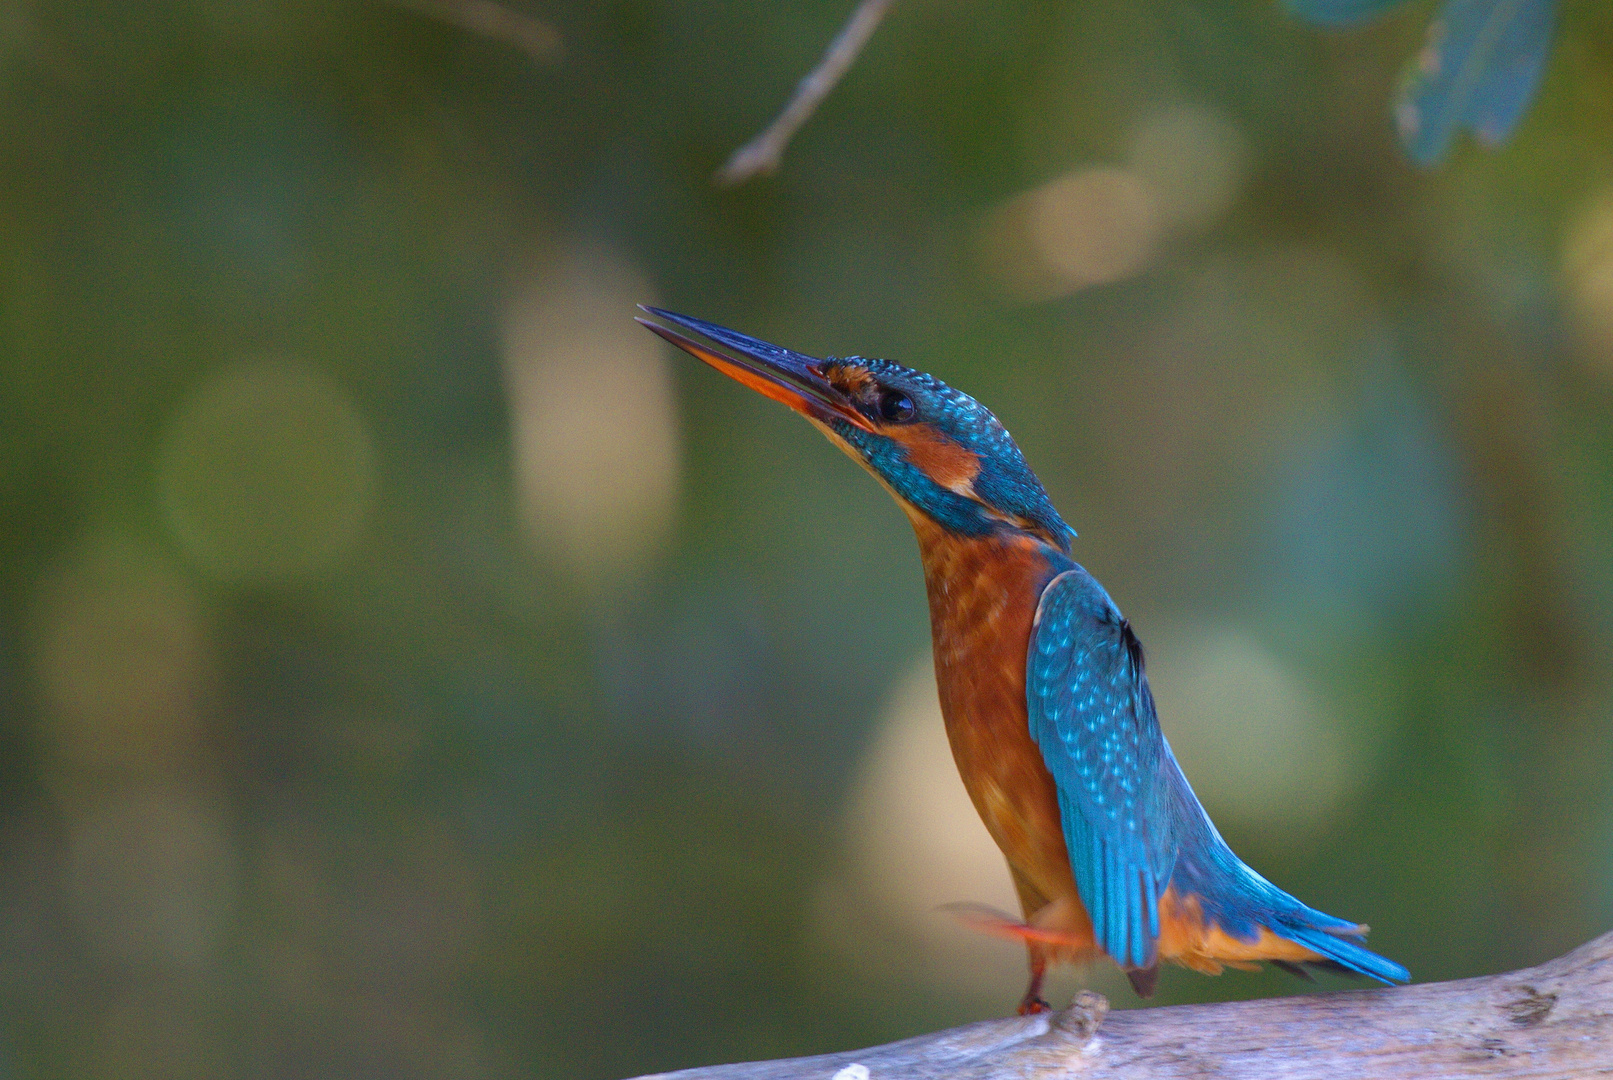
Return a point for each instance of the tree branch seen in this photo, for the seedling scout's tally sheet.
(764, 153)
(1546, 1022)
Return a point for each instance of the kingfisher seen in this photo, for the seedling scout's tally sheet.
(1043, 690)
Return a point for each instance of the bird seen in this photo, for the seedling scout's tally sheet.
(1043, 690)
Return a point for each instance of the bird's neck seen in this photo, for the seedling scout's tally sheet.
(956, 564)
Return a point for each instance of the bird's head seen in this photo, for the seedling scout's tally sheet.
(938, 450)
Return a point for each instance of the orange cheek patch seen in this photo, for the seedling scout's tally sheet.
(943, 460)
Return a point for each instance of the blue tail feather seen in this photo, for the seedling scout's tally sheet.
(1241, 902)
(1347, 952)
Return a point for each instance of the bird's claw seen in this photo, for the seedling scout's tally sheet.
(1031, 1005)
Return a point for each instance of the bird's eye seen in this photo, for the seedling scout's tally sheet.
(896, 407)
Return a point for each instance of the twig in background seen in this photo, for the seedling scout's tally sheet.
(532, 36)
(764, 153)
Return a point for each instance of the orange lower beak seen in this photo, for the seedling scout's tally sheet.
(790, 377)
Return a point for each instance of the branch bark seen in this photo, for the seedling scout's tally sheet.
(1546, 1022)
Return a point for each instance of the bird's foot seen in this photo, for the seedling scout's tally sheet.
(1031, 1004)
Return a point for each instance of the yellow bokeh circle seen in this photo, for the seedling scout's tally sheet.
(267, 473)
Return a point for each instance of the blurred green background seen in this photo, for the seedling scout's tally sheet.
(411, 668)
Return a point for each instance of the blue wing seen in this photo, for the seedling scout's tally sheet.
(1092, 716)
(1131, 822)
(1479, 70)
(1339, 12)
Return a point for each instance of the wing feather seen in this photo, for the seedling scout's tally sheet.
(1092, 716)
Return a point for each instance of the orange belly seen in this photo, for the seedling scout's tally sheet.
(983, 595)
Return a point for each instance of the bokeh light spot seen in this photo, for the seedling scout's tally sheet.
(1093, 226)
(267, 473)
(1194, 158)
(1255, 741)
(596, 434)
(151, 879)
(1588, 268)
(122, 663)
(918, 843)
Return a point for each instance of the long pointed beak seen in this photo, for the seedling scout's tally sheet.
(789, 377)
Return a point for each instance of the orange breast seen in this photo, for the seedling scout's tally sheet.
(983, 595)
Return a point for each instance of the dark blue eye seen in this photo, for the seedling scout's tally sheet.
(896, 407)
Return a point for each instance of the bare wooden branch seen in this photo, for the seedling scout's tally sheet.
(1552, 1022)
(764, 153)
(493, 20)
